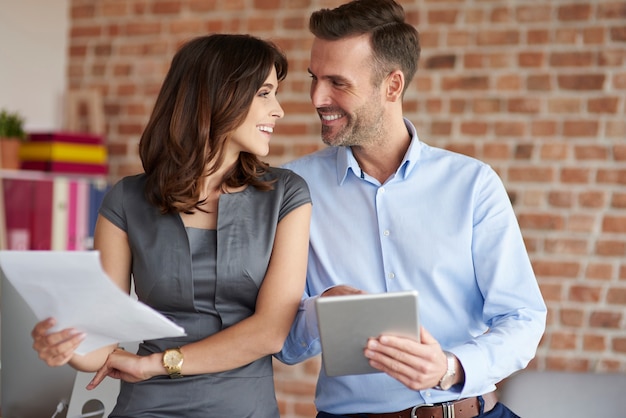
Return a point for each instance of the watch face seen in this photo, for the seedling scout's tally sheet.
(172, 358)
(446, 381)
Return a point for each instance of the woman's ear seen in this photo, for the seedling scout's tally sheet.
(395, 85)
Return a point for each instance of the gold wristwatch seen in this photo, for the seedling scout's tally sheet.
(173, 362)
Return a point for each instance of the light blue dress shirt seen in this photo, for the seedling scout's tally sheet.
(443, 225)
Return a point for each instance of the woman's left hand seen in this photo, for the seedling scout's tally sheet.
(123, 365)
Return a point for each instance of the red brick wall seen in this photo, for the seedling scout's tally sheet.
(537, 89)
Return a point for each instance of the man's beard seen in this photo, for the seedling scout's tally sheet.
(363, 127)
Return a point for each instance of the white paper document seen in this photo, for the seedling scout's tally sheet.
(72, 287)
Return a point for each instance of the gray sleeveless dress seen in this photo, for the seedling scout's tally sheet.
(205, 281)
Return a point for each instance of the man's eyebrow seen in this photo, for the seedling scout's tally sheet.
(331, 77)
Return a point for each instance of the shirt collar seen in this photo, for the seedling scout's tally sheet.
(346, 161)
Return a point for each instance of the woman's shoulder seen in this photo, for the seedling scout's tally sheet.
(287, 177)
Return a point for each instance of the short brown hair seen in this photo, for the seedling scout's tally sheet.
(395, 43)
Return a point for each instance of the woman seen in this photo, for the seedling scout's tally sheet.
(214, 239)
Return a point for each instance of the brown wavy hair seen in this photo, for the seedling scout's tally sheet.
(205, 96)
(394, 42)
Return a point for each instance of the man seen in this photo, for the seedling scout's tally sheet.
(391, 213)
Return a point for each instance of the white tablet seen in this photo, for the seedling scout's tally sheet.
(346, 322)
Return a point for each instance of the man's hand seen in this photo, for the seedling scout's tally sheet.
(416, 364)
(342, 290)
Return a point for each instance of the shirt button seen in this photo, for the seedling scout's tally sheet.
(382, 190)
(391, 276)
(386, 232)
(427, 394)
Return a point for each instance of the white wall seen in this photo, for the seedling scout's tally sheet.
(33, 60)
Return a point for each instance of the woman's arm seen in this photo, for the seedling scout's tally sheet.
(58, 348)
(261, 334)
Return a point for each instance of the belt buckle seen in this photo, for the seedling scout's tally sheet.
(448, 409)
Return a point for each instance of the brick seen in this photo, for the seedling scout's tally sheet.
(581, 223)
(599, 271)
(571, 317)
(565, 105)
(266, 4)
(609, 176)
(566, 246)
(539, 82)
(533, 14)
(501, 15)
(531, 59)
(538, 36)
(605, 319)
(619, 152)
(603, 105)
(575, 175)
(566, 35)
(561, 199)
(474, 128)
(142, 28)
(619, 344)
(495, 151)
(90, 31)
(494, 37)
(563, 363)
(574, 12)
(465, 83)
(618, 200)
(611, 58)
(618, 34)
(594, 342)
(531, 174)
(612, 10)
(465, 149)
(524, 105)
(578, 128)
(609, 366)
(459, 38)
(524, 151)
(616, 296)
(571, 59)
(543, 128)
(562, 269)
(441, 62)
(551, 291)
(533, 198)
(581, 82)
(486, 105)
(610, 248)
(592, 199)
(614, 224)
(167, 7)
(594, 36)
(508, 82)
(554, 151)
(619, 81)
(441, 128)
(563, 341)
(591, 152)
(585, 293)
(442, 16)
(516, 129)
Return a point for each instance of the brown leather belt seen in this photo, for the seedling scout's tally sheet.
(463, 408)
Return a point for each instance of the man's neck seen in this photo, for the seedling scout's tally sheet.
(381, 160)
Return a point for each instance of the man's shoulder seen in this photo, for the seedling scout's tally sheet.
(314, 160)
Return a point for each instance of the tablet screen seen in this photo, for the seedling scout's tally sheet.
(347, 322)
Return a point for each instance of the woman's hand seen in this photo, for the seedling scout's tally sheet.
(56, 348)
(128, 367)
